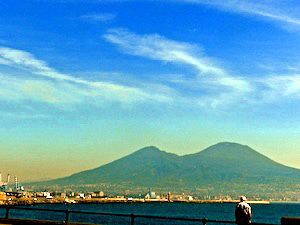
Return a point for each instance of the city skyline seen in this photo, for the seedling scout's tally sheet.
(83, 83)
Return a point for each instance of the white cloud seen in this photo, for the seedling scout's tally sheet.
(209, 75)
(11, 56)
(20, 89)
(282, 11)
(159, 48)
(281, 86)
(211, 84)
(53, 87)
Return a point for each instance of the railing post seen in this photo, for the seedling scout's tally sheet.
(7, 212)
(67, 216)
(204, 220)
(132, 219)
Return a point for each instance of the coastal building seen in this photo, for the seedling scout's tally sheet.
(190, 198)
(2, 196)
(152, 195)
(63, 195)
(49, 196)
(80, 195)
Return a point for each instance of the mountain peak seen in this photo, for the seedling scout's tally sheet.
(229, 144)
(229, 147)
(150, 148)
(149, 151)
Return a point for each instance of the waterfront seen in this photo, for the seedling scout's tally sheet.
(262, 213)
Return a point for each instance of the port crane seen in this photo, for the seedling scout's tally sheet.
(17, 189)
(4, 184)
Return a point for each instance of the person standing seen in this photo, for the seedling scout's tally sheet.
(243, 213)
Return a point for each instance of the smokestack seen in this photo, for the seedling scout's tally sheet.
(8, 178)
(1, 178)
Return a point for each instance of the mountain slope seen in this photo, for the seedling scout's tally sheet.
(232, 159)
(223, 162)
(145, 166)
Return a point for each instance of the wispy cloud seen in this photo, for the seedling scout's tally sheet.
(23, 89)
(208, 74)
(284, 12)
(11, 56)
(281, 86)
(159, 48)
(211, 85)
(99, 17)
(53, 87)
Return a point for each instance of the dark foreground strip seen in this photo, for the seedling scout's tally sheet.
(204, 221)
(35, 222)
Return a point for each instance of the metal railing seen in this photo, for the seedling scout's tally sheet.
(132, 217)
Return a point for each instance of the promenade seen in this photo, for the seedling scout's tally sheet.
(67, 200)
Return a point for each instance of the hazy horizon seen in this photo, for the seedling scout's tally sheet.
(83, 83)
(4, 176)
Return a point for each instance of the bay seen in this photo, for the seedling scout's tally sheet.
(262, 213)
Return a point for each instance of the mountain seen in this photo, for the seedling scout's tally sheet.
(145, 166)
(149, 166)
(232, 160)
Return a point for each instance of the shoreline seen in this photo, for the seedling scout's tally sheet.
(37, 201)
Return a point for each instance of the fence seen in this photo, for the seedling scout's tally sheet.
(132, 217)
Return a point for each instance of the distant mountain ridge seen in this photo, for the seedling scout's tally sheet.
(149, 166)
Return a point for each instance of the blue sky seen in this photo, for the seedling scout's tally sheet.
(85, 82)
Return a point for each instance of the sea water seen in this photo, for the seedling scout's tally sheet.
(262, 213)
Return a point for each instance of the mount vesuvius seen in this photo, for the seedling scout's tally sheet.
(221, 163)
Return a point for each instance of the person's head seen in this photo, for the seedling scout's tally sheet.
(243, 198)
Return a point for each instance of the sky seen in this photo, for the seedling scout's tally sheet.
(85, 82)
